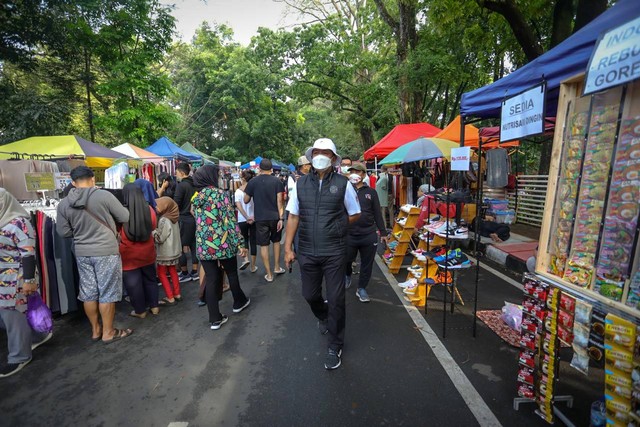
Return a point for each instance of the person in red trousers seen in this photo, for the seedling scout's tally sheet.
(168, 248)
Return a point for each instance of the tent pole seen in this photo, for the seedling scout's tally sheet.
(476, 236)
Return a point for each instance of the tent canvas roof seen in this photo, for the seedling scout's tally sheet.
(399, 135)
(136, 152)
(568, 59)
(164, 147)
(187, 146)
(63, 146)
(452, 133)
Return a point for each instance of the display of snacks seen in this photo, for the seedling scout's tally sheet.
(592, 195)
(619, 232)
(567, 192)
(633, 299)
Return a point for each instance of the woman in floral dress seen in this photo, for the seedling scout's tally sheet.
(218, 241)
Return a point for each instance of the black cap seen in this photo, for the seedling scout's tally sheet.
(266, 165)
(81, 172)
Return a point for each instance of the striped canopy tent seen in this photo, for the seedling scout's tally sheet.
(472, 136)
(95, 155)
(138, 153)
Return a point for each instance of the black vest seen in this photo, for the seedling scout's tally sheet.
(324, 219)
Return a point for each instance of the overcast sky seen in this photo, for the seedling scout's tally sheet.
(244, 16)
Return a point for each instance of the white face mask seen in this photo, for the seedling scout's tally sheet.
(344, 169)
(354, 178)
(321, 162)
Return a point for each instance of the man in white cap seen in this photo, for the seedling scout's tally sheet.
(304, 166)
(322, 204)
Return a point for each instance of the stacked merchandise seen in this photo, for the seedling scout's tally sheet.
(499, 209)
(592, 195)
(622, 369)
(567, 192)
(447, 228)
(621, 220)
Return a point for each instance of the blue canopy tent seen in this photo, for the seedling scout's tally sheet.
(248, 164)
(291, 167)
(568, 59)
(165, 148)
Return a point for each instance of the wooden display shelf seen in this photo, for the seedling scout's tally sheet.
(402, 234)
(570, 94)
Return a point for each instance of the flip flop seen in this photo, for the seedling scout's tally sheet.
(254, 269)
(281, 271)
(167, 301)
(266, 277)
(244, 265)
(118, 334)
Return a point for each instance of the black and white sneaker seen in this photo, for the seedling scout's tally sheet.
(44, 340)
(12, 368)
(184, 277)
(239, 309)
(322, 327)
(217, 325)
(333, 359)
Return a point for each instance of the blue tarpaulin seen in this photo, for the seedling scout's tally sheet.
(248, 164)
(165, 148)
(568, 59)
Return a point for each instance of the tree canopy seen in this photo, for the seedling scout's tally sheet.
(113, 71)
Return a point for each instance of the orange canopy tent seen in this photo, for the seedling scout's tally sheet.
(472, 136)
(399, 135)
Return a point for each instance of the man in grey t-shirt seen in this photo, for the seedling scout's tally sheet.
(90, 216)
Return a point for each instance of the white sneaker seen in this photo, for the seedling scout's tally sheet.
(410, 290)
(406, 208)
(410, 282)
(421, 258)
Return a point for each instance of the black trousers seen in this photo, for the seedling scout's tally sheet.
(367, 245)
(213, 272)
(142, 287)
(188, 238)
(249, 234)
(312, 270)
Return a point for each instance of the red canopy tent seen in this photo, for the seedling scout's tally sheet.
(399, 135)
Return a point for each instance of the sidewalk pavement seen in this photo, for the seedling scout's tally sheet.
(265, 366)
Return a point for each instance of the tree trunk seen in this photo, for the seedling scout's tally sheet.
(545, 156)
(87, 82)
(587, 11)
(366, 134)
(562, 19)
(522, 30)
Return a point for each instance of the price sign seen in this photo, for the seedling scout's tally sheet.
(38, 181)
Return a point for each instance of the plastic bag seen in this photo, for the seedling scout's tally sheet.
(512, 315)
(38, 314)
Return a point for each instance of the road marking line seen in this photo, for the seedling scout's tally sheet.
(495, 272)
(474, 401)
(178, 424)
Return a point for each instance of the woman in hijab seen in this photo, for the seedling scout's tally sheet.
(168, 248)
(218, 241)
(17, 248)
(138, 253)
(148, 191)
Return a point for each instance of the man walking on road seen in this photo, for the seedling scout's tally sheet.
(90, 215)
(362, 235)
(184, 193)
(267, 193)
(323, 205)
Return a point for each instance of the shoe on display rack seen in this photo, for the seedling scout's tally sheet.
(410, 282)
(415, 268)
(406, 208)
(449, 255)
(458, 261)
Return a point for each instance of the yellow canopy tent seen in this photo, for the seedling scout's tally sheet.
(95, 155)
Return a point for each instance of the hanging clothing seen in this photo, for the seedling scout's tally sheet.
(116, 176)
(497, 168)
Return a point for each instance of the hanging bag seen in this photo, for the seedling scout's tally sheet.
(38, 314)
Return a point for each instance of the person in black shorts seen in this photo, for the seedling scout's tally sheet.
(267, 193)
(184, 193)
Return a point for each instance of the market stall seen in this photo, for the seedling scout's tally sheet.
(399, 135)
(581, 306)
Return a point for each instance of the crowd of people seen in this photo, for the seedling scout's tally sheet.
(189, 229)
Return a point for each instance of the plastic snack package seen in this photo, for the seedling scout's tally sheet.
(609, 288)
(565, 335)
(527, 358)
(567, 303)
(619, 331)
(618, 383)
(549, 343)
(582, 312)
(526, 390)
(580, 360)
(617, 408)
(565, 319)
(548, 365)
(595, 348)
(529, 324)
(525, 375)
(633, 299)
(580, 335)
(617, 357)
